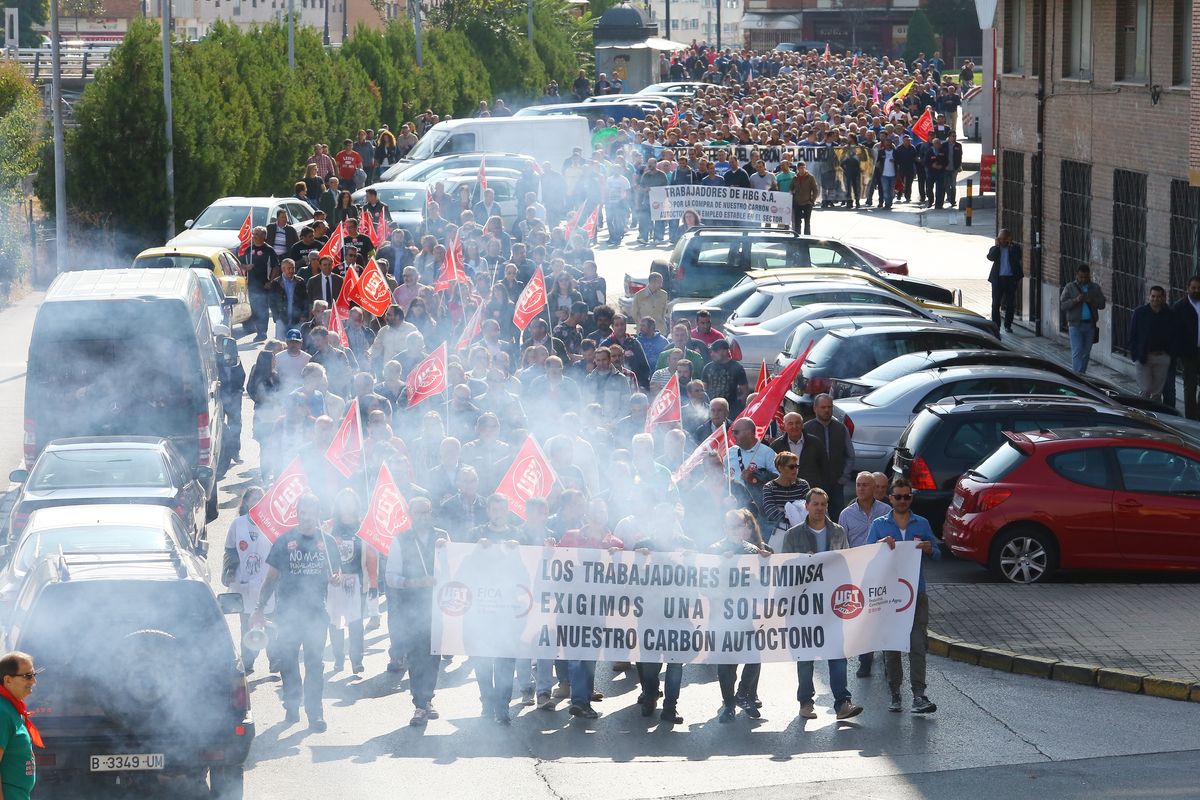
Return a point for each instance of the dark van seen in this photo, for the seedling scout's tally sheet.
(125, 352)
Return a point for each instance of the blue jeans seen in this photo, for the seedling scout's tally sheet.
(648, 675)
(495, 676)
(1081, 344)
(837, 681)
(546, 670)
(583, 682)
(887, 189)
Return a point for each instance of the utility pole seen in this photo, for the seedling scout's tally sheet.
(530, 22)
(719, 4)
(325, 39)
(291, 34)
(667, 33)
(170, 129)
(60, 155)
(414, 10)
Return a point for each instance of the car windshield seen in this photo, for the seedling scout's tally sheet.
(173, 262)
(893, 391)
(1004, 460)
(88, 539)
(88, 469)
(899, 367)
(732, 298)
(397, 199)
(228, 218)
(752, 306)
(429, 145)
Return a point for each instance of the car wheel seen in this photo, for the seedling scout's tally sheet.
(225, 783)
(1024, 554)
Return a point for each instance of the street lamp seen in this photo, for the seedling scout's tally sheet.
(60, 156)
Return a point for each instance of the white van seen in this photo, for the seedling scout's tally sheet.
(545, 138)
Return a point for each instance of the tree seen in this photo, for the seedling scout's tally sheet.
(920, 37)
(30, 13)
(955, 21)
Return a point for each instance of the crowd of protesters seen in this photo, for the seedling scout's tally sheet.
(577, 377)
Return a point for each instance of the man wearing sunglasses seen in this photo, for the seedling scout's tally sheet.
(18, 734)
(901, 525)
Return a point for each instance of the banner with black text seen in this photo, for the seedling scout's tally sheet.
(534, 602)
(717, 204)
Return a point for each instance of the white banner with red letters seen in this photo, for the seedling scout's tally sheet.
(717, 204)
(535, 602)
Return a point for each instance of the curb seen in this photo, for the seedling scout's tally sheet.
(1120, 680)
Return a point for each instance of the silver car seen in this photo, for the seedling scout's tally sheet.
(877, 419)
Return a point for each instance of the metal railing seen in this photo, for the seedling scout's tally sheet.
(78, 63)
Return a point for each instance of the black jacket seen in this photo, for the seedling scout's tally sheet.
(1186, 324)
(277, 299)
(814, 461)
(1014, 262)
(1150, 332)
(289, 235)
(314, 287)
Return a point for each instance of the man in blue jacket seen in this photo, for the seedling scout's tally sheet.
(901, 525)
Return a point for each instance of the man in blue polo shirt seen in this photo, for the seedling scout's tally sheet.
(901, 525)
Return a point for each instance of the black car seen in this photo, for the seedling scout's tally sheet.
(947, 438)
(114, 469)
(142, 682)
(707, 261)
(931, 359)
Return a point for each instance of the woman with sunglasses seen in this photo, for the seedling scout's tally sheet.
(784, 496)
(742, 537)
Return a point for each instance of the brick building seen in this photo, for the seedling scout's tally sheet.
(876, 26)
(1098, 155)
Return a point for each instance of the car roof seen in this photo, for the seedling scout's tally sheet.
(972, 404)
(758, 233)
(118, 567)
(416, 186)
(923, 324)
(109, 443)
(806, 286)
(1059, 438)
(241, 201)
(140, 515)
(120, 284)
(201, 250)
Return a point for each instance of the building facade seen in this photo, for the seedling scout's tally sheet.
(875, 26)
(1098, 155)
(696, 20)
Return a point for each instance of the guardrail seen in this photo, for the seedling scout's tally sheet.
(77, 63)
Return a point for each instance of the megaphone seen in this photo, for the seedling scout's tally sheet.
(255, 639)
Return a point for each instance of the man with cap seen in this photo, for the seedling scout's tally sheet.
(290, 363)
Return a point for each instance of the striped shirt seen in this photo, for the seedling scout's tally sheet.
(775, 497)
(858, 523)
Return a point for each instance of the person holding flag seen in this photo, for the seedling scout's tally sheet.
(262, 268)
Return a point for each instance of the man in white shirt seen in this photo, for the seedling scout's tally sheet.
(391, 339)
(290, 363)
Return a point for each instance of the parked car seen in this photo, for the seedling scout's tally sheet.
(220, 261)
(657, 100)
(948, 437)
(113, 469)
(690, 87)
(135, 527)
(705, 262)
(405, 201)
(915, 362)
(856, 351)
(219, 224)
(153, 616)
(761, 344)
(219, 306)
(592, 112)
(881, 416)
(1079, 498)
(429, 168)
(504, 183)
(550, 139)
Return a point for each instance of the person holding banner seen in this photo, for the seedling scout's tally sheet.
(901, 525)
(410, 581)
(820, 534)
(742, 537)
(783, 497)
(299, 567)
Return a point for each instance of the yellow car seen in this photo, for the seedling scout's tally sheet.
(224, 265)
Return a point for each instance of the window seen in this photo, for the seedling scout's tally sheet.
(1133, 41)
(1129, 252)
(1077, 35)
(237, 8)
(1014, 36)
(821, 256)
(1181, 33)
(1145, 469)
(1088, 467)
(973, 441)
(1075, 222)
(1185, 237)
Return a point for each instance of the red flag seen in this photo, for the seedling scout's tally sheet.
(734, 122)
(428, 194)
(825, 57)
(333, 247)
(572, 221)
(763, 377)
(717, 443)
(482, 179)
(665, 407)
(674, 120)
(387, 514)
(762, 409)
(337, 326)
(474, 325)
(275, 513)
(854, 60)
(924, 126)
(346, 293)
(452, 268)
(366, 225)
(589, 227)
(382, 231)
(531, 301)
(245, 234)
(370, 289)
(529, 476)
(428, 378)
(345, 452)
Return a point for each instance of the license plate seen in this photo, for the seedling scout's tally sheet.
(128, 761)
(958, 501)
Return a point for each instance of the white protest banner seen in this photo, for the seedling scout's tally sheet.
(717, 204)
(533, 602)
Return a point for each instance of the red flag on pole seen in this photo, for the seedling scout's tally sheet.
(762, 409)
(474, 325)
(734, 122)
(529, 476)
(531, 301)
(275, 513)
(763, 377)
(370, 289)
(333, 247)
(589, 227)
(674, 120)
(382, 231)
(572, 221)
(245, 234)
(387, 514)
(482, 179)
(345, 452)
(665, 407)
(452, 268)
(716, 444)
(825, 57)
(366, 225)
(923, 127)
(428, 378)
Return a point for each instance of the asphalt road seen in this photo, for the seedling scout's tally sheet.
(995, 734)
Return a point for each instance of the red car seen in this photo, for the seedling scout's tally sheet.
(1097, 498)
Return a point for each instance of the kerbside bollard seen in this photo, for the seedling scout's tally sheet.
(968, 211)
